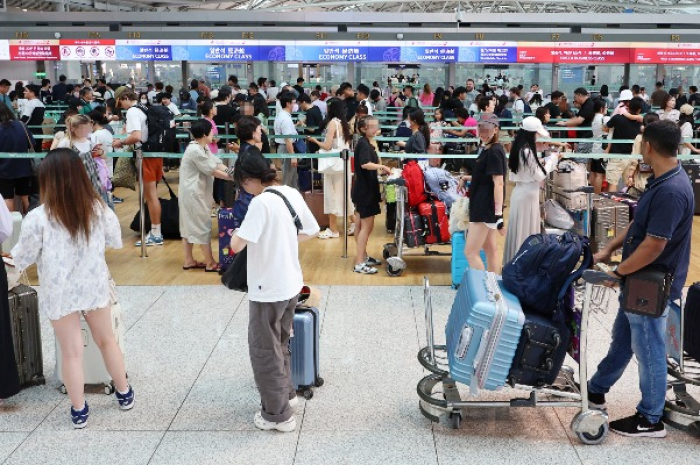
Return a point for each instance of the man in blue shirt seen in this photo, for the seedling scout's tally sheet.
(659, 236)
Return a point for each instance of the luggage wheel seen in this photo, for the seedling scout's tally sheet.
(590, 427)
(109, 389)
(390, 250)
(63, 389)
(319, 382)
(455, 419)
(308, 394)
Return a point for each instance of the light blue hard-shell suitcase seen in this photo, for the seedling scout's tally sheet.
(459, 261)
(304, 349)
(483, 331)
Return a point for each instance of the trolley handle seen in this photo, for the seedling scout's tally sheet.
(582, 189)
(599, 278)
(429, 326)
(394, 182)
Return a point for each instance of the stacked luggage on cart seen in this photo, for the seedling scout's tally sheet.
(513, 330)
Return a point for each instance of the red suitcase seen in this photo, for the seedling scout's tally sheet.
(437, 226)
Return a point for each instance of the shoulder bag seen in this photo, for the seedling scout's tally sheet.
(646, 292)
(333, 164)
(236, 275)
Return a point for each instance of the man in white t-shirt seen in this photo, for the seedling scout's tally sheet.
(137, 134)
(272, 233)
(518, 104)
(166, 100)
(284, 126)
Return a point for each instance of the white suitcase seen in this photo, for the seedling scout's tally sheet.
(570, 200)
(16, 229)
(93, 365)
(571, 180)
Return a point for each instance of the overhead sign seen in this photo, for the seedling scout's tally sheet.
(34, 50)
(327, 50)
(671, 53)
(217, 50)
(146, 50)
(573, 52)
(103, 50)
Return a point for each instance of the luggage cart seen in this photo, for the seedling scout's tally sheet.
(590, 426)
(682, 409)
(393, 251)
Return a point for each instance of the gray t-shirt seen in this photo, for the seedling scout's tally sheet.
(284, 126)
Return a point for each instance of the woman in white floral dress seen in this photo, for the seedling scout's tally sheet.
(66, 237)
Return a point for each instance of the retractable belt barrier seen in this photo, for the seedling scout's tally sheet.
(345, 155)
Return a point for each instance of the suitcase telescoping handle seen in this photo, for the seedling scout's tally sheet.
(429, 328)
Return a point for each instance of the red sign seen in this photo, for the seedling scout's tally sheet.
(654, 56)
(577, 55)
(34, 50)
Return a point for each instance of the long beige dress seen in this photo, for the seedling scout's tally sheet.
(196, 191)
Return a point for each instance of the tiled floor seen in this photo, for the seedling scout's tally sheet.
(187, 357)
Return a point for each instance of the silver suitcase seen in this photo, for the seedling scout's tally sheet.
(93, 365)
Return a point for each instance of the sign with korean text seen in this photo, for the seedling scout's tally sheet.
(34, 50)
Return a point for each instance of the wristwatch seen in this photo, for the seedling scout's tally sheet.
(617, 273)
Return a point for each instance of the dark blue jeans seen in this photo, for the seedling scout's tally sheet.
(644, 337)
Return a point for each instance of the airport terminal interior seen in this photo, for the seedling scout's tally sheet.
(390, 344)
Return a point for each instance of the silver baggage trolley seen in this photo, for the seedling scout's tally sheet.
(589, 425)
(393, 252)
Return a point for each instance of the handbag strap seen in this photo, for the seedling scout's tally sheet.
(30, 149)
(295, 217)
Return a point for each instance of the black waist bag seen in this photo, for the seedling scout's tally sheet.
(169, 217)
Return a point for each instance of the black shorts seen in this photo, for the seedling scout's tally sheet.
(367, 211)
(9, 188)
(598, 165)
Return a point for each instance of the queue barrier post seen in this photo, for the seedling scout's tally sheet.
(138, 154)
(344, 154)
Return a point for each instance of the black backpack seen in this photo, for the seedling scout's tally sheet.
(526, 107)
(161, 134)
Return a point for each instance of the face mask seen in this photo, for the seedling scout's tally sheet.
(144, 101)
(295, 107)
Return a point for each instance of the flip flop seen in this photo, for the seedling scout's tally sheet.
(216, 269)
(196, 266)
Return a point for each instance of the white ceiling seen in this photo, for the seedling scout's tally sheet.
(403, 6)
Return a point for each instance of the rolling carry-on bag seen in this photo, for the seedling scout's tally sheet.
(303, 346)
(413, 234)
(314, 200)
(227, 224)
(437, 226)
(691, 332)
(26, 331)
(459, 261)
(541, 351)
(483, 331)
(93, 365)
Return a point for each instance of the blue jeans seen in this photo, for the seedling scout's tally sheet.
(644, 337)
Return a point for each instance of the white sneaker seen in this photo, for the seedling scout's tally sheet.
(283, 426)
(294, 402)
(351, 229)
(328, 234)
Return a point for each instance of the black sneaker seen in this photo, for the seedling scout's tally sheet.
(638, 426)
(597, 401)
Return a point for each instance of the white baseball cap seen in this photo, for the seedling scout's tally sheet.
(533, 124)
(626, 95)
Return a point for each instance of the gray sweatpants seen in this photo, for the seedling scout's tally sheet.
(268, 341)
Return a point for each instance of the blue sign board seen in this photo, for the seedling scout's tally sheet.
(315, 53)
(429, 54)
(144, 52)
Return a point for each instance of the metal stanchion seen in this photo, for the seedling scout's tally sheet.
(139, 169)
(345, 156)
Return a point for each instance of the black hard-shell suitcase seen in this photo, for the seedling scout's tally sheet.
(541, 351)
(26, 335)
(390, 217)
(413, 232)
(691, 331)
